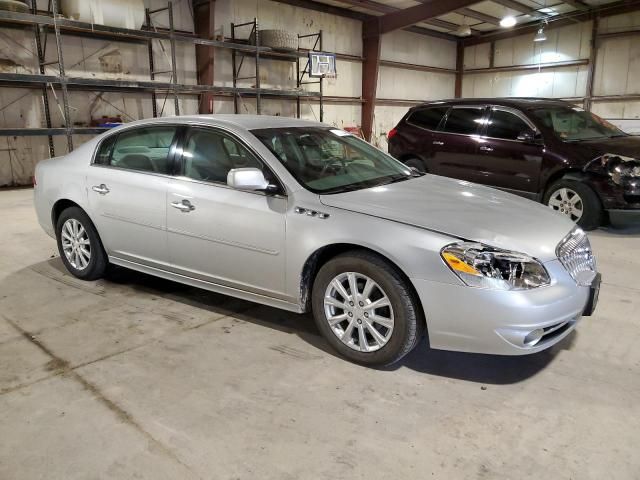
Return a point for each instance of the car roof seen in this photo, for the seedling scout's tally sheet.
(524, 103)
(248, 122)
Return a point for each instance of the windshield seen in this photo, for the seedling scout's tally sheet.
(574, 124)
(326, 160)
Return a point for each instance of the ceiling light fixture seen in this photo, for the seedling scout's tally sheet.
(540, 36)
(508, 21)
(463, 30)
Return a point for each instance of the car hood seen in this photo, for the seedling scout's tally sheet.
(589, 149)
(463, 210)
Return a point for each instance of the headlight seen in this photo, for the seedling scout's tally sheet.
(618, 167)
(480, 265)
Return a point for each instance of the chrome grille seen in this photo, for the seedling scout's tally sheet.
(574, 252)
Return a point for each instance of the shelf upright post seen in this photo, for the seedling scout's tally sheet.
(41, 62)
(257, 37)
(63, 78)
(321, 81)
(152, 67)
(172, 41)
(298, 84)
(234, 68)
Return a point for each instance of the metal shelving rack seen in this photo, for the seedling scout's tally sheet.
(50, 21)
(238, 56)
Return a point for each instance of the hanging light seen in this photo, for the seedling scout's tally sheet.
(540, 36)
(463, 30)
(508, 21)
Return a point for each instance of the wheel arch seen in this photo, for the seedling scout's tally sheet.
(323, 254)
(61, 205)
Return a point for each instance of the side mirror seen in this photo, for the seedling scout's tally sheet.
(530, 136)
(250, 179)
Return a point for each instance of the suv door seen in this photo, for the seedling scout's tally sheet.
(127, 191)
(414, 141)
(511, 153)
(219, 234)
(455, 146)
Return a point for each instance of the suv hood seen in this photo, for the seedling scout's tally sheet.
(464, 210)
(587, 150)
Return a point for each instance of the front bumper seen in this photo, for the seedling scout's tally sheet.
(468, 319)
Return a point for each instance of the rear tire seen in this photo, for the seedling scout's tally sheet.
(576, 200)
(79, 245)
(417, 164)
(370, 335)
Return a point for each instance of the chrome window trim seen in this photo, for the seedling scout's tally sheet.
(224, 185)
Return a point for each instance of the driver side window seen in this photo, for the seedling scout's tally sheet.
(208, 155)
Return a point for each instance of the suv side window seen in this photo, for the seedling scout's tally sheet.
(144, 149)
(506, 125)
(465, 120)
(428, 118)
(209, 154)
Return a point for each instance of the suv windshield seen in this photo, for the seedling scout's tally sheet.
(574, 124)
(326, 160)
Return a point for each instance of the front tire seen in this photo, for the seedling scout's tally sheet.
(79, 245)
(577, 201)
(376, 326)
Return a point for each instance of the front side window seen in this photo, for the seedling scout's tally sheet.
(506, 125)
(143, 149)
(465, 121)
(428, 118)
(331, 161)
(575, 125)
(208, 155)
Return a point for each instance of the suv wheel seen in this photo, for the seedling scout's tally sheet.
(417, 164)
(79, 245)
(577, 201)
(365, 310)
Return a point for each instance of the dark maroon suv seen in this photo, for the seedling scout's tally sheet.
(547, 150)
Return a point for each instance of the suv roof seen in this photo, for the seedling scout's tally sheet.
(517, 102)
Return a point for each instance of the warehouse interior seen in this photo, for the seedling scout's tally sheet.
(137, 377)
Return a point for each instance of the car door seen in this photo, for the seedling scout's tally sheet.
(416, 137)
(127, 192)
(455, 146)
(219, 234)
(511, 152)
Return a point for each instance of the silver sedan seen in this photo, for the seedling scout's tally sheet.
(306, 217)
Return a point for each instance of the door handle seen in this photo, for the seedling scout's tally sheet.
(486, 149)
(183, 206)
(101, 189)
(437, 142)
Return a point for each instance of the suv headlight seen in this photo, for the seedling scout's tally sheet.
(618, 167)
(480, 265)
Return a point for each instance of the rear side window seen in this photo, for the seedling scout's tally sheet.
(143, 149)
(428, 118)
(506, 125)
(464, 120)
(103, 156)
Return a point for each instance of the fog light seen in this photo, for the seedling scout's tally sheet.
(534, 337)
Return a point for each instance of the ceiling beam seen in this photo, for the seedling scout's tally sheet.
(577, 4)
(467, 12)
(363, 17)
(606, 10)
(412, 15)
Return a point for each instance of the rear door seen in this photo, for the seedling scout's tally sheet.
(455, 146)
(510, 155)
(217, 233)
(416, 138)
(127, 191)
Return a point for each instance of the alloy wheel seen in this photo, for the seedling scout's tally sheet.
(567, 202)
(359, 312)
(76, 244)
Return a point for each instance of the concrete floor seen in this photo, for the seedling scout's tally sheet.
(135, 377)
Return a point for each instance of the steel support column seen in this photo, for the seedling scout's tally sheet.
(204, 20)
(459, 68)
(588, 96)
(370, 69)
